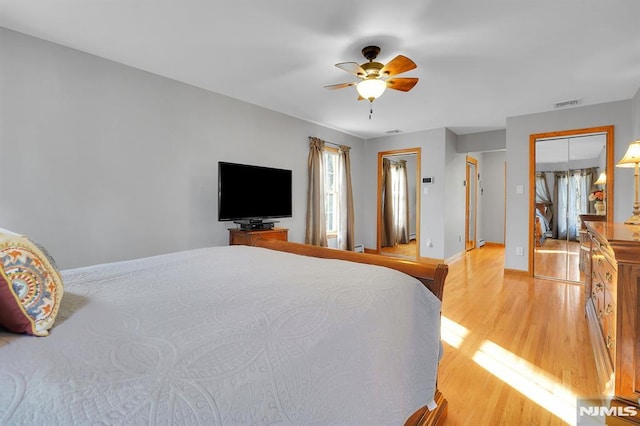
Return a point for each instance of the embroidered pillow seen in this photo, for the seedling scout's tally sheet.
(30, 286)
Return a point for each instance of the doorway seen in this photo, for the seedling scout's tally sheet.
(565, 172)
(398, 203)
(471, 203)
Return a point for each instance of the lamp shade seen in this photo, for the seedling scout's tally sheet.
(371, 88)
(632, 156)
(602, 179)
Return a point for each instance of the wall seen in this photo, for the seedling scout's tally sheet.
(455, 200)
(495, 140)
(432, 204)
(635, 111)
(492, 197)
(104, 162)
(519, 128)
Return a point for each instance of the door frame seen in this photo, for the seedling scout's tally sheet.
(609, 132)
(381, 155)
(471, 244)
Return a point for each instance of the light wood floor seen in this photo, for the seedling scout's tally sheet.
(558, 259)
(516, 349)
(408, 250)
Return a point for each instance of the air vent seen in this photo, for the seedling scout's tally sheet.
(566, 104)
(394, 131)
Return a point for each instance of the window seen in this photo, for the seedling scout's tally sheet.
(331, 190)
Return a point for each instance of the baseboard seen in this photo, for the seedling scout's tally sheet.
(431, 260)
(487, 244)
(455, 257)
(516, 272)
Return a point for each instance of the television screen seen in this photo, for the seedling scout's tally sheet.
(253, 192)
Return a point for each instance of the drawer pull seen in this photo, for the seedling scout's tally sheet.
(608, 276)
(610, 342)
(599, 262)
(608, 310)
(600, 314)
(593, 295)
(599, 286)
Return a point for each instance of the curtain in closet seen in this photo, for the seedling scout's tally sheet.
(543, 196)
(316, 224)
(401, 202)
(571, 193)
(388, 222)
(395, 203)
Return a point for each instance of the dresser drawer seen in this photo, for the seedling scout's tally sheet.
(598, 296)
(609, 324)
(604, 269)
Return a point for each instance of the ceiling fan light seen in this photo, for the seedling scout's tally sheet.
(371, 88)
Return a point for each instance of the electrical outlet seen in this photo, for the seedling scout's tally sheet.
(519, 251)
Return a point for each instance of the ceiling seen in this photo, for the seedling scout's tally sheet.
(479, 61)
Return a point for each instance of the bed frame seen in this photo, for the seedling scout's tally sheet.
(432, 275)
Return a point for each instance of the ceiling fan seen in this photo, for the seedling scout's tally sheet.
(376, 77)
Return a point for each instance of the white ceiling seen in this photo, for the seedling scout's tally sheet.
(479, 61)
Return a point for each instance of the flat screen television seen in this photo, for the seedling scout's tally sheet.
(253, 193)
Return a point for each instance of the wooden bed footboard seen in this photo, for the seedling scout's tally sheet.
(432, 275)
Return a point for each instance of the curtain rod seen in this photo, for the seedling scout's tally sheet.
(331, 143)
(565, 171)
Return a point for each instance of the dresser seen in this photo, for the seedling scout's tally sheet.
(585, 243)
(239, 236)
(612, 306)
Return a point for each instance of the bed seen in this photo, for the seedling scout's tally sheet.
(542, 224)
(276, 333)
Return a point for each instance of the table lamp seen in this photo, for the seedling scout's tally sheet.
(632, 159)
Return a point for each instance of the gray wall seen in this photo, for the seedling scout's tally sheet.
(103, 162)
(432, 205)
(483, 141)
(519, 128)
(489, 149)
(636, 115)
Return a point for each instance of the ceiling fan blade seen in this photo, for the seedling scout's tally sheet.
(403, 84)
(340, 85)
(352, 68)
(398, 65)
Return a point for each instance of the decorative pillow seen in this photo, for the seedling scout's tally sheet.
(30, 286)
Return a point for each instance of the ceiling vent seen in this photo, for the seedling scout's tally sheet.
(566, 104)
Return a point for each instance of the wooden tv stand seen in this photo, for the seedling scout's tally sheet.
(243, 237)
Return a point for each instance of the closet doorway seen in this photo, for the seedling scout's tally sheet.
(398, 203)
(568, 169)
(471, 183)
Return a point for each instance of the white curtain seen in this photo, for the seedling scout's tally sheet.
(571, 192)
(573, 206)
(561, 190)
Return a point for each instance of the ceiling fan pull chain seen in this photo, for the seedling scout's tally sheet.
(370, 109)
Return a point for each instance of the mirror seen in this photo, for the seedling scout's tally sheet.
(567, 189)
(398, 203)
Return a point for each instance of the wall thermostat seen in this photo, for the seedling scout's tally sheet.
(428, 179)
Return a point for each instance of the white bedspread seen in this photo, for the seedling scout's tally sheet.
(227, 335)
